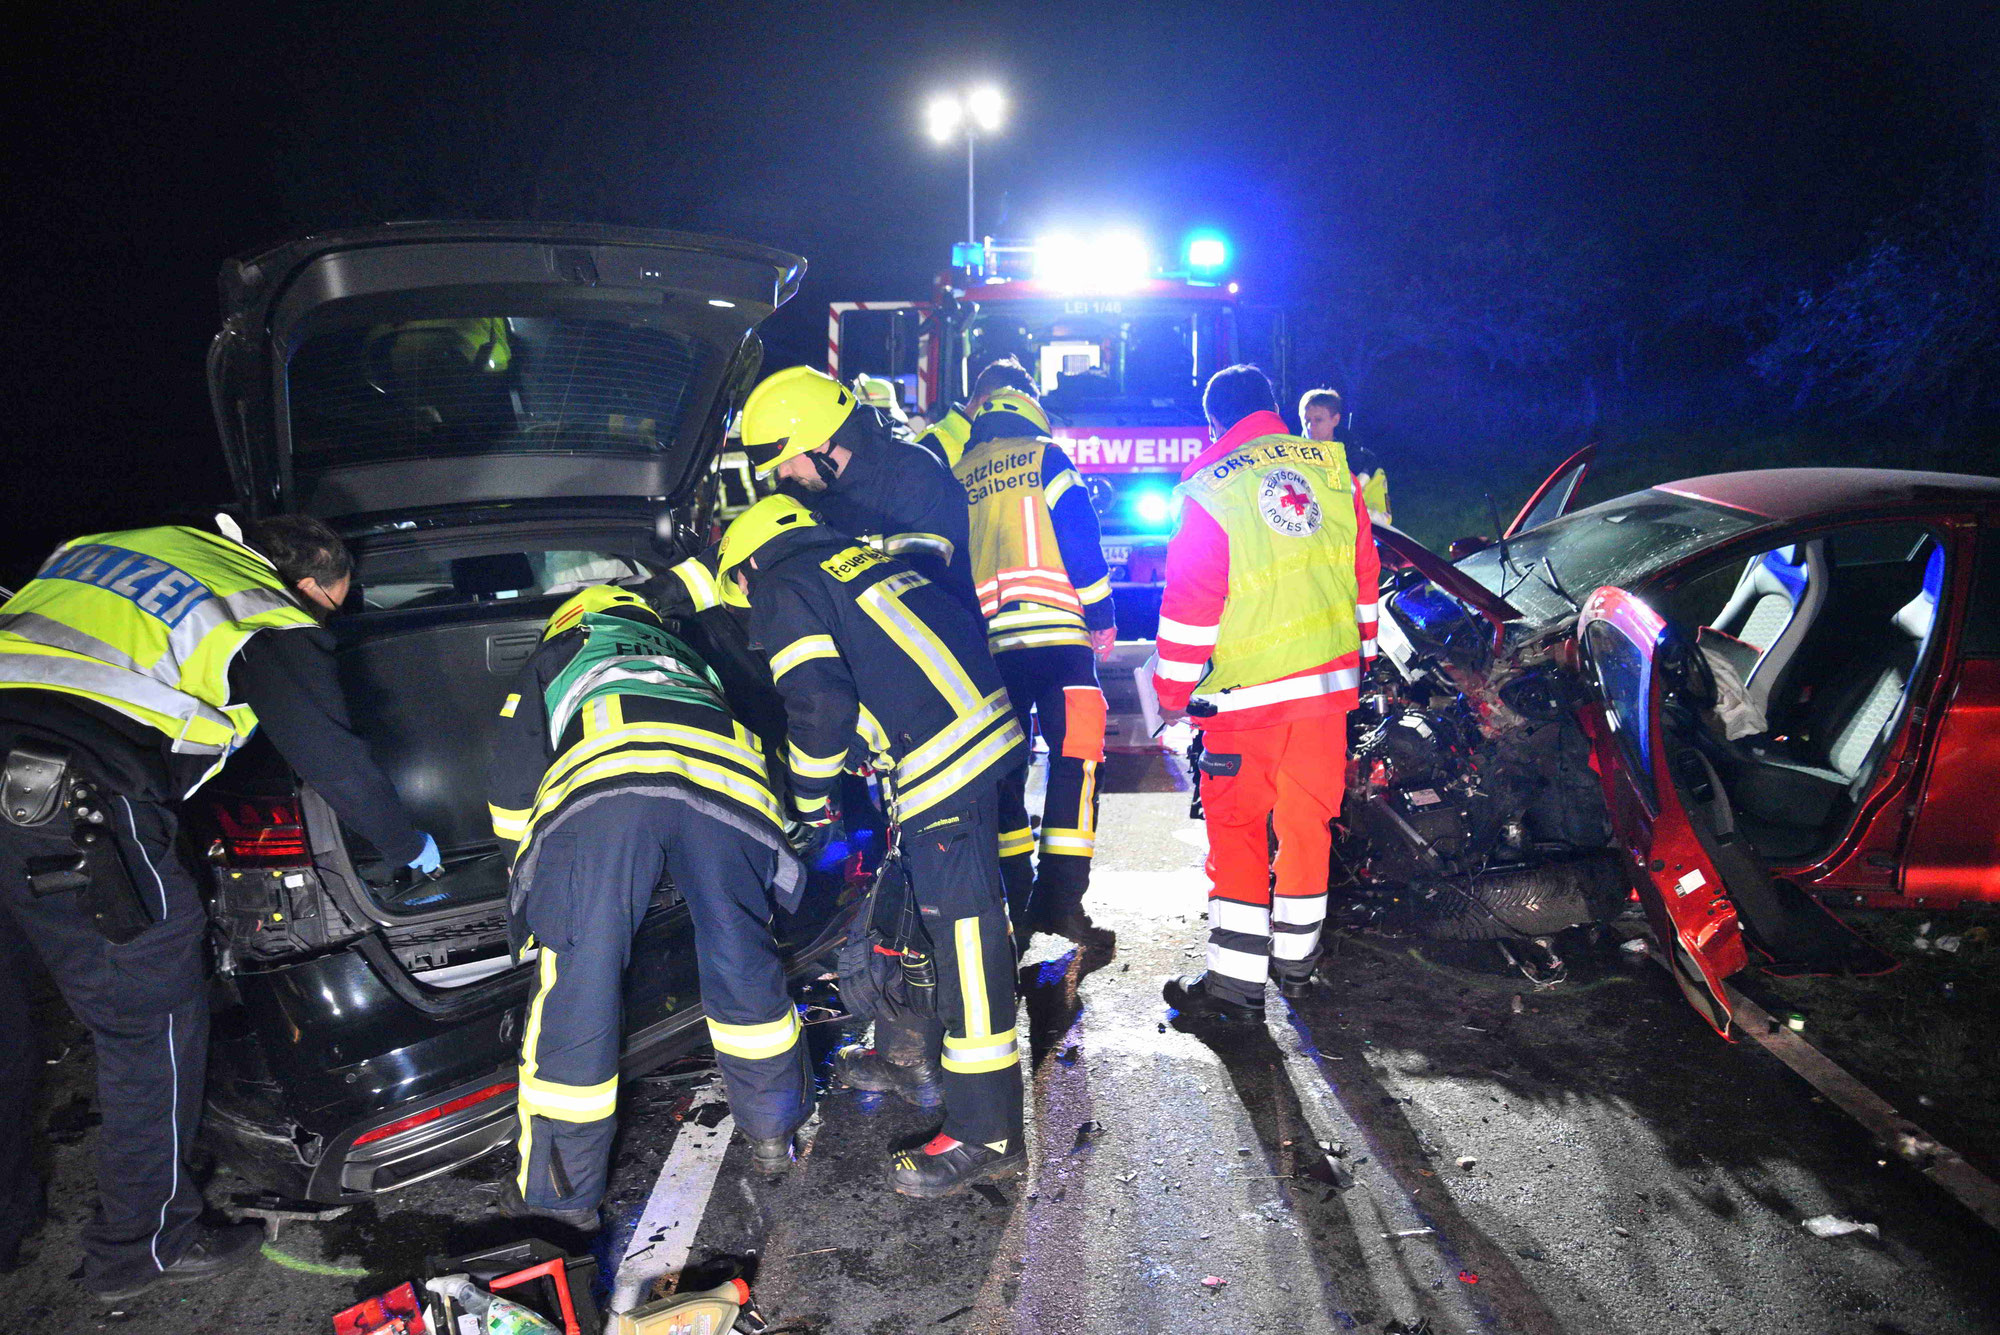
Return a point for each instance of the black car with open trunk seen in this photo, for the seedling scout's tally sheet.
(493, 415)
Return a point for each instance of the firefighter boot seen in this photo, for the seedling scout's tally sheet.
(945, 1167)
(771, 1157)
(902, 1062)
(918, 1082)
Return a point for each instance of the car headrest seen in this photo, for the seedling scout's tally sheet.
(1787, 566)
(1916, 616)
(485, 576)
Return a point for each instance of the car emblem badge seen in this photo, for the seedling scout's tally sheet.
(1286, 500)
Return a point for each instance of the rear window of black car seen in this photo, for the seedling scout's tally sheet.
(489, 384)
(397, 581)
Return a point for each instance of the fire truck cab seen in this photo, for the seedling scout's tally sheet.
(1119, 349)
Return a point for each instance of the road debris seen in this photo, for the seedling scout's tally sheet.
(1085, 1134)
(1467, 1162)
(1213, 1283)
(1467, 1277)
(1410, 1233)
(1518, 1006)
(1833, 1226)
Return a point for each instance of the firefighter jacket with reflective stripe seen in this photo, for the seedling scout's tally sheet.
(945, 439)
(878, 666)
(618, 705)
(146, 623)
(1269, 610)
(1037, 563)
(895, 498)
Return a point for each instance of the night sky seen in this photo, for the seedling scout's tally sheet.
(1656, 159)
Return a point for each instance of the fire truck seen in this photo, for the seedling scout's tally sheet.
(1120, 347)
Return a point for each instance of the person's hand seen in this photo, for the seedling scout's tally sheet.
(430, 862)
(1169, 717)
(1104, 642)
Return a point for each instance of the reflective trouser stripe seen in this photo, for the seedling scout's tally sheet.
(1074, 843)
(552, 1098)
(972, 978)
(1295, 926)
(1014, 843)
(1239, 966)
(1227, 915)
(756, 1041)
(977, 1056)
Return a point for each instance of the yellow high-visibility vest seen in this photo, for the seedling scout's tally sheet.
(147, 622)
(1287, 506)
(1014, 553)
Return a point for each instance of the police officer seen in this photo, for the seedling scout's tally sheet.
(131, 667)
(616, 762)
(1046, 595)
(877, 664)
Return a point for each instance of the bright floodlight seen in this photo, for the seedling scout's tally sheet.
(987, 107)
(1120, 260)
(1207, 252)
(943, 117)
(1061, 260)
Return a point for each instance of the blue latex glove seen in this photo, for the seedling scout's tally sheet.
(430, 862)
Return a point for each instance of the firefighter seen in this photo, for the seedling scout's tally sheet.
(616, 764)
(948, 438)
(131, 668)
(1320, 412)
(1266, 623)
(1046, 595)
(877, 665)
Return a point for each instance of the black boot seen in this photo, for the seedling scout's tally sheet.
(1196, 1003)
(772, 1157)
(917, 1082)
(511, 1202)
(945, 1167)
(214, 1251)
(1296, 986)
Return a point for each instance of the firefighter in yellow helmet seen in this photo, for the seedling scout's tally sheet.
(878, 665)
(812, 437)
(1045, 593)
(615, 760)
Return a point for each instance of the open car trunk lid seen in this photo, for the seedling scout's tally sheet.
(412, 366)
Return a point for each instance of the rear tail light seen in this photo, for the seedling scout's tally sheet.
(429, 1115)
(257, 831)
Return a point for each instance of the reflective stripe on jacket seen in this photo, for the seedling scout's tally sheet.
(877, 664)
(1269, 609)
(147, 622)
(1037, 562)
(616, 704)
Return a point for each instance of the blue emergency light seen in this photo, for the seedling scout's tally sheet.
(1153, 507)
(1207, 254)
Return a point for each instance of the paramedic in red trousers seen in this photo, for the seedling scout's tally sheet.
(1266, 624)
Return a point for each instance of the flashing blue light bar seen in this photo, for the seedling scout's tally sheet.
(1207, 253)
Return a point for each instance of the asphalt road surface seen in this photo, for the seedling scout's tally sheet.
(1409, 1146)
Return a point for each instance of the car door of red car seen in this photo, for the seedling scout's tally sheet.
(1691, 914)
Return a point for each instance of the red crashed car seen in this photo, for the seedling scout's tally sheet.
(1750, 697)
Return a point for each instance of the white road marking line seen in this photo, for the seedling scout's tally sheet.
(1377, 1204)
(664, 1235)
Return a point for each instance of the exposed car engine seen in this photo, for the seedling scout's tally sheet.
(1472, 813)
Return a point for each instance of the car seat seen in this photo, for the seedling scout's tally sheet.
(1847, 723)
(1770, 611)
